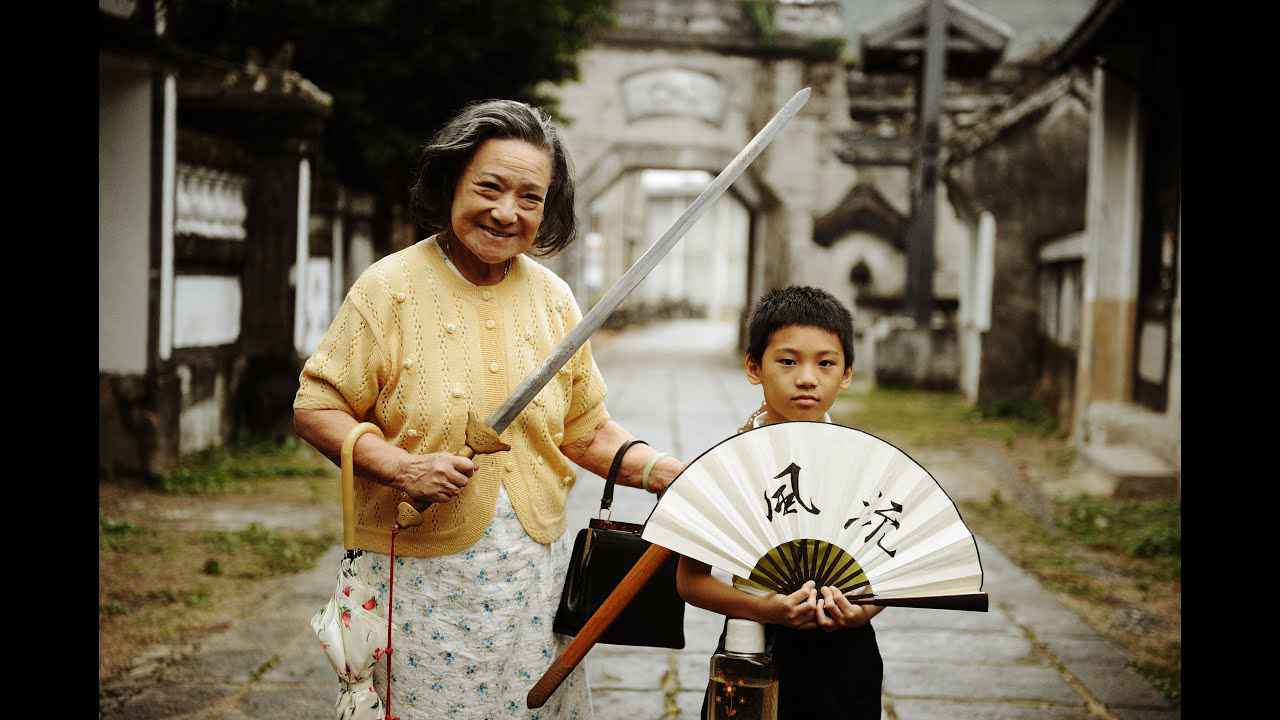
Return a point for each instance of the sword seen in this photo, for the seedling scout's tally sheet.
(482, 436)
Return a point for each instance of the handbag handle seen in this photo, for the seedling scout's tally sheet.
(606, 500)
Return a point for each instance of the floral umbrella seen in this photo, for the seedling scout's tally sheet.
(350, 626)
(350, 630)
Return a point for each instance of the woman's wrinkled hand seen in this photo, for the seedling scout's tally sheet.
(835, 612)
(796, 610)
(434, 478)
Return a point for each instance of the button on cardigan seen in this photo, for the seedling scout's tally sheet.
(415, 366)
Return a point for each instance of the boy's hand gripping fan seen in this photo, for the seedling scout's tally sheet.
(791, 502)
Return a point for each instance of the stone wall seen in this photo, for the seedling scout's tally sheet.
(685, 86)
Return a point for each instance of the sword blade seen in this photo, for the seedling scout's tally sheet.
(541, 375)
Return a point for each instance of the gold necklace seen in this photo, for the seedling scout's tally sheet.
(449, 256)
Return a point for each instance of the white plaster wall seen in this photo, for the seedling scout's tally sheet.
(317, 312)
(124, 210)
(361, 257)
(206, 310)
(301, 266)
(200, 424)
(829, 267)
(1115, 186)
(950, 239)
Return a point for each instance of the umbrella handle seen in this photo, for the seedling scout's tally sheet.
(635, 580)
(349, 482)
(481, 440)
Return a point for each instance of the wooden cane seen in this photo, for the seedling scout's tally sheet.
(635, 580)
(349, 482)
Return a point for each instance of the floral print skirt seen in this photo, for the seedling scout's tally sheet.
(472, 631)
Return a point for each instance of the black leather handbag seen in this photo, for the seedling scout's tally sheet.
(603, 553)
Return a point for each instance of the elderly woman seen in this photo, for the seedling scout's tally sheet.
(426, 334)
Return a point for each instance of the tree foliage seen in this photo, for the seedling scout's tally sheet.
(397, 69)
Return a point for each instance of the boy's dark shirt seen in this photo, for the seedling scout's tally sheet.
(837, 673)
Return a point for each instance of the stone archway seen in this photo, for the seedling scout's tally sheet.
(708, 274)
(684, 87)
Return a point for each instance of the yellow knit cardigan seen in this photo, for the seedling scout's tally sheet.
(414, 347)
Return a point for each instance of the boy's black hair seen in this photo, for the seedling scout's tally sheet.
(798, 305)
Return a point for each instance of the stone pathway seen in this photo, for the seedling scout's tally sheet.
(679, 386)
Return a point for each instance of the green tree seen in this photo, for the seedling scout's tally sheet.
(397, 69)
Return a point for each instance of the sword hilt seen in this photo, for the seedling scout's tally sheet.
(481, 440)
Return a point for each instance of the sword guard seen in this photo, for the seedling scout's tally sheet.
(481, 440)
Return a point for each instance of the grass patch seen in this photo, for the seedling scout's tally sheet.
(1150, 529)
(165, 579)
(112, 608)
(922, 418)
(242, 467)
(275, 553)
(124, 536)
(146, 600)
(1105, 559)
(1165, 675)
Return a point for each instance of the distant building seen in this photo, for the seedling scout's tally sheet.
(208, 289)
(1072, 197)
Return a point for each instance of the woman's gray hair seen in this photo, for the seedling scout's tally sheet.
(447, 154)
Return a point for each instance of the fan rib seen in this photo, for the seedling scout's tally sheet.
(840, 581)
(797, 566)
(840, 573)
(824, 568)
(786, 577)
(806, 567)
(774, 583)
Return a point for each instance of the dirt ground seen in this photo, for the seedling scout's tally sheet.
(173, 568)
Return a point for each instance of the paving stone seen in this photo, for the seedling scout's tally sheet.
(639, 671)
(989, 683)
(1118, 686)
(219, 667)
(930, 645)
(277, 703)
(694, 670)
(270, 631)
(628, 704)
(909, 709)
(1104, 668)
(1146, 714)
(961, 480)
(690, 703)
(916, 618)
(168, 700)
(302, 666)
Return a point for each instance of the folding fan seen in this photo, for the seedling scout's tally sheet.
(790, 502)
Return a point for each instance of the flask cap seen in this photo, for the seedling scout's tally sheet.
(744, 636)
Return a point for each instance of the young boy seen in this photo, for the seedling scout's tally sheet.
(800, 351)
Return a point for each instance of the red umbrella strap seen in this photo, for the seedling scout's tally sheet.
(391, 594)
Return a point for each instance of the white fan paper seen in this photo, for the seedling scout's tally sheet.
(766, 505)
